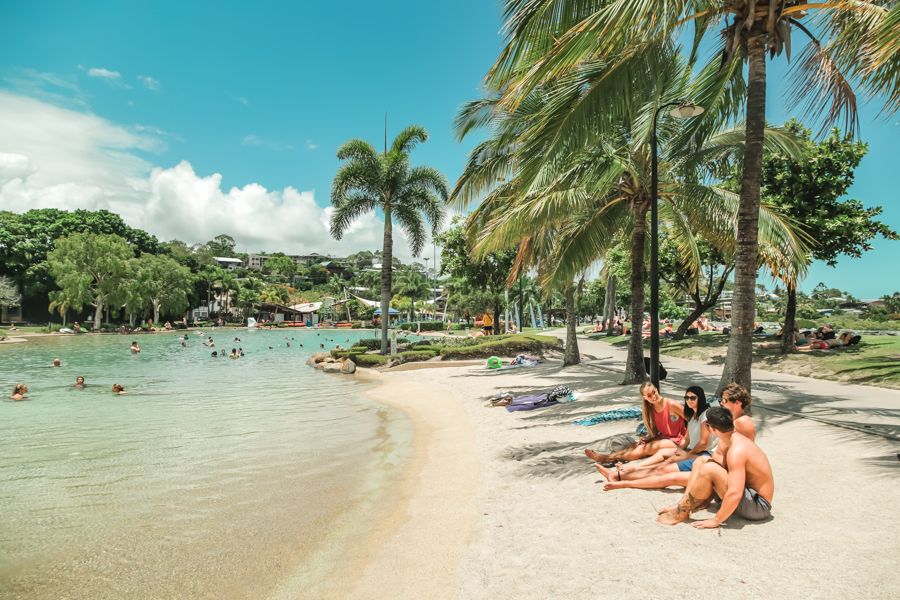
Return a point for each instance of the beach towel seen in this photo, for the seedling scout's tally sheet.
(616, 414)
(560, 393)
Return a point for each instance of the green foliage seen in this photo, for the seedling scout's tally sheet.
(9, 295)
(810, 190)
(369, 360)
(416, 355)
(504, 346)
(89, 268)
(222, 245)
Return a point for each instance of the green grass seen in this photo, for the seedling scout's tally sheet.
(874, 361)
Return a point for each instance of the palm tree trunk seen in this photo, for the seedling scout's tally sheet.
(610, 303)
(634, 364)
(387, 257)
(790, 317)
(739, 361)
(572, 356)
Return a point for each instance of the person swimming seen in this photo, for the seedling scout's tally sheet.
(57, 362)
(19, 391)
(241, 351)
(118, 389)
(79, 383)
(234, 353)
(135, 348)
(214, 354)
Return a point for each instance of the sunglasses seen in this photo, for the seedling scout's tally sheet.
(690, 397)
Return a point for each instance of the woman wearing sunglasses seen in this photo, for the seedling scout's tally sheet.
(669, 466)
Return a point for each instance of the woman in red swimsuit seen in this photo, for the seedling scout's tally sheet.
(664, 420)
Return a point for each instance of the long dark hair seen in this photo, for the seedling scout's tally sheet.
(702, 404)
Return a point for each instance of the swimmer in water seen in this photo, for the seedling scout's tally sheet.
(57, 362)
(237, 339)
(19, 391)
(214, 354)
(234, 353)
(79, 382)
(118, 389)
(241, 351)
(135, 348)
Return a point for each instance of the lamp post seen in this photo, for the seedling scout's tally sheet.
(427, 277)
(682, 110)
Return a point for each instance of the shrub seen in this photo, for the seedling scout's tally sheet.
(345, 354)
(504, 346)
(416, 355)
(358, 348)
(369, 360)
(370, 343)
(429, 326)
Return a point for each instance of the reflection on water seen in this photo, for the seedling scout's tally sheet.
(211, 477)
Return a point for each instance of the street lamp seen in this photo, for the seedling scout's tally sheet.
(682, 110)
(427, 279)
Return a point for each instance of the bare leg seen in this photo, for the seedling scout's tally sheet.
(611, 474)
(633, 453)
(712, 476)
(646, 466)
(695, 472)
(653, 482)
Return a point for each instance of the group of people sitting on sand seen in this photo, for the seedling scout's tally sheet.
(709, 451)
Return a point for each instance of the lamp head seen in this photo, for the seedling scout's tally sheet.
(686, 111)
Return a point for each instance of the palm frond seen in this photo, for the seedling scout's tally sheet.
(407, 139)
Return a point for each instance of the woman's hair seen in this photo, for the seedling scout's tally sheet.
(702, 404)
(646, 410)
(17, 389)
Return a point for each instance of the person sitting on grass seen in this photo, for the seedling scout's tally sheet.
(743, 481)
(664, 420)
(669, 467)
(667, 332)
(19, 391)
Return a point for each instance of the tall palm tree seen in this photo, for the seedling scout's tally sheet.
(849, 42)
(587, 184)
(413, 285)
(412, 195)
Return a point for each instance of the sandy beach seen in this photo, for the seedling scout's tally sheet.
(505, 505)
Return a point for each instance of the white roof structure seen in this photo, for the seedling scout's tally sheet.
(307, 307)
(228, 259)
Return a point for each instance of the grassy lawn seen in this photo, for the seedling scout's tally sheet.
(874, 361)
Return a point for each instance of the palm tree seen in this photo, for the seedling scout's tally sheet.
(551, 38)
(369, 181)
(411, 284)
(573, 197)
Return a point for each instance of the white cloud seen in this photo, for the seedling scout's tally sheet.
(55, 157)
(149, 82)
(62, 91)
(310, 145)
(102, 73)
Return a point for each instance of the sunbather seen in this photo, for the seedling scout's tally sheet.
(742, 480)
(664, 420)
(669, 466)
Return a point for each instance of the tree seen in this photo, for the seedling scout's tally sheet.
(553, 38)
(368, 181)
(478, 272)
(810, 190)
(89, 268)
(412, 284)
(280, 264)
(167, 284)
(9, 294)
(222, 245)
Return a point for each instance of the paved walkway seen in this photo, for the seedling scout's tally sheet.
(867, 409)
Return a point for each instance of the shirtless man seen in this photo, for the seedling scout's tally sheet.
(744, 481)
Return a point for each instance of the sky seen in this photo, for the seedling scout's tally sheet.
(192, 119)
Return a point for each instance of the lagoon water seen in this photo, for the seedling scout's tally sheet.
(210, 478)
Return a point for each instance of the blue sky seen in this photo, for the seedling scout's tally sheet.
(137, 106)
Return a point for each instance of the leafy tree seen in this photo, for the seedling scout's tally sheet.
(892, 303)
(483, 272)
(412, 284)
(89, 268)
(551, 39)
(280, 264)
(222, 245)
(810, 189)
(166, 284)
(9, 294)
(27, 238)
(369, 181)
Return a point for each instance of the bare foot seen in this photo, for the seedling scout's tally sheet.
(667, 509)
(610, 474)
(615, 485)
(673, 517)
(596, 456)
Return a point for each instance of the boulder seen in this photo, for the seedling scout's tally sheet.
(332, 367)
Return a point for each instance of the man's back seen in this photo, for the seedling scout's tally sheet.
(755, 462)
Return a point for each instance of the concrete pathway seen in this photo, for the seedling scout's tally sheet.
(866, 409)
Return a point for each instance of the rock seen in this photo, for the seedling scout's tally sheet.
(320, 366)
(437, 358)
(332, 367)
(392, 364)
(348, 367)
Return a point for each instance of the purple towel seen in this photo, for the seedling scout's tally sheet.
(531, 402)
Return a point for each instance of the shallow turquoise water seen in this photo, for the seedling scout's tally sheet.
(211, 477)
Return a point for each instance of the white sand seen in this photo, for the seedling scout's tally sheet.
(505, 505)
